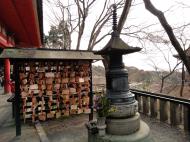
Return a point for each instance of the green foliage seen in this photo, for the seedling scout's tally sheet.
(103, 106)
(58, 36)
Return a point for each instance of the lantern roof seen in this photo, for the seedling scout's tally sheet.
(117, 46)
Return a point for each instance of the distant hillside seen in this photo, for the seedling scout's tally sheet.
(145, 80)
(98, 77)
(98, 71)
(136, 75)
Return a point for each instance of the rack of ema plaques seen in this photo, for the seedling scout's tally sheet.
(54, 89)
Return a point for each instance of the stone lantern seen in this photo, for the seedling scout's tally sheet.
(125, 122)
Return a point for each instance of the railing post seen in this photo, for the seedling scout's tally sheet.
(163, 110)
(186, 112)
(145, 105)
(139, 99)
(175, 113)
(153, 107)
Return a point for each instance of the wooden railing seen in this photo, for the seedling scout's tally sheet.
(173, 110)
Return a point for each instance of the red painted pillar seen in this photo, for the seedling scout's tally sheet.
(7, 86)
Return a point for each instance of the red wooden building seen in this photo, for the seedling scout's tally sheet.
(20, 26)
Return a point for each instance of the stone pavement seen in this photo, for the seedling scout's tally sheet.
(72, 129)
(7, 126)
(163, 132)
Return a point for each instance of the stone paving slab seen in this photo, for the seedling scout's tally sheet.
(72, 129)
(69, 129)
(163, 132)
(7, 125)
(29, 134)
(41, 132)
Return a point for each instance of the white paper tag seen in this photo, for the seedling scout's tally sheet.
(41, 69)
(50, 74)
(27, 68)
(81, 80)
(36, 91)
(33, 87)
(73, 106)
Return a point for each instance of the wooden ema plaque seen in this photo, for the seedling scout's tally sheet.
(54, 89)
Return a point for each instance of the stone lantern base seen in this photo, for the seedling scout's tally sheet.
(123, 126)
(142, 135)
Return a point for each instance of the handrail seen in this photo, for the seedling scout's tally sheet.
(161, 96)
(173, 110)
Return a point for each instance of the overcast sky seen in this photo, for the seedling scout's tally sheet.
(178, 14)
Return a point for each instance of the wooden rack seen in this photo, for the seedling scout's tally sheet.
(54, 89)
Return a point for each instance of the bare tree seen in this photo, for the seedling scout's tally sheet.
(83, 9)
(163, 75)
(76, 13)
(124, 15)
(160, 15)
(103, 18)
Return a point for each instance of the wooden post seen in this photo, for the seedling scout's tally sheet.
(145, 105)
(91, 95)
(163, 110)
(139, 99)
(7, 87)
(153, 107)
(186, 112)
(17, 99)
(175, 113)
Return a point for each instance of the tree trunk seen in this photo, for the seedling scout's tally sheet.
(124, 15)
(162, 85)
(106, 62)
(182, 80)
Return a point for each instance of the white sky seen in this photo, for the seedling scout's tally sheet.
(177, 15)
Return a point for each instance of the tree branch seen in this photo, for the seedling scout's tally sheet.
(150, 7)
(124, 15)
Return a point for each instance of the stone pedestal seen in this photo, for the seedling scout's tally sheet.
(142, 135)
(123, 126)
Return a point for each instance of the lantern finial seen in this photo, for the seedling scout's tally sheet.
(114, 18)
